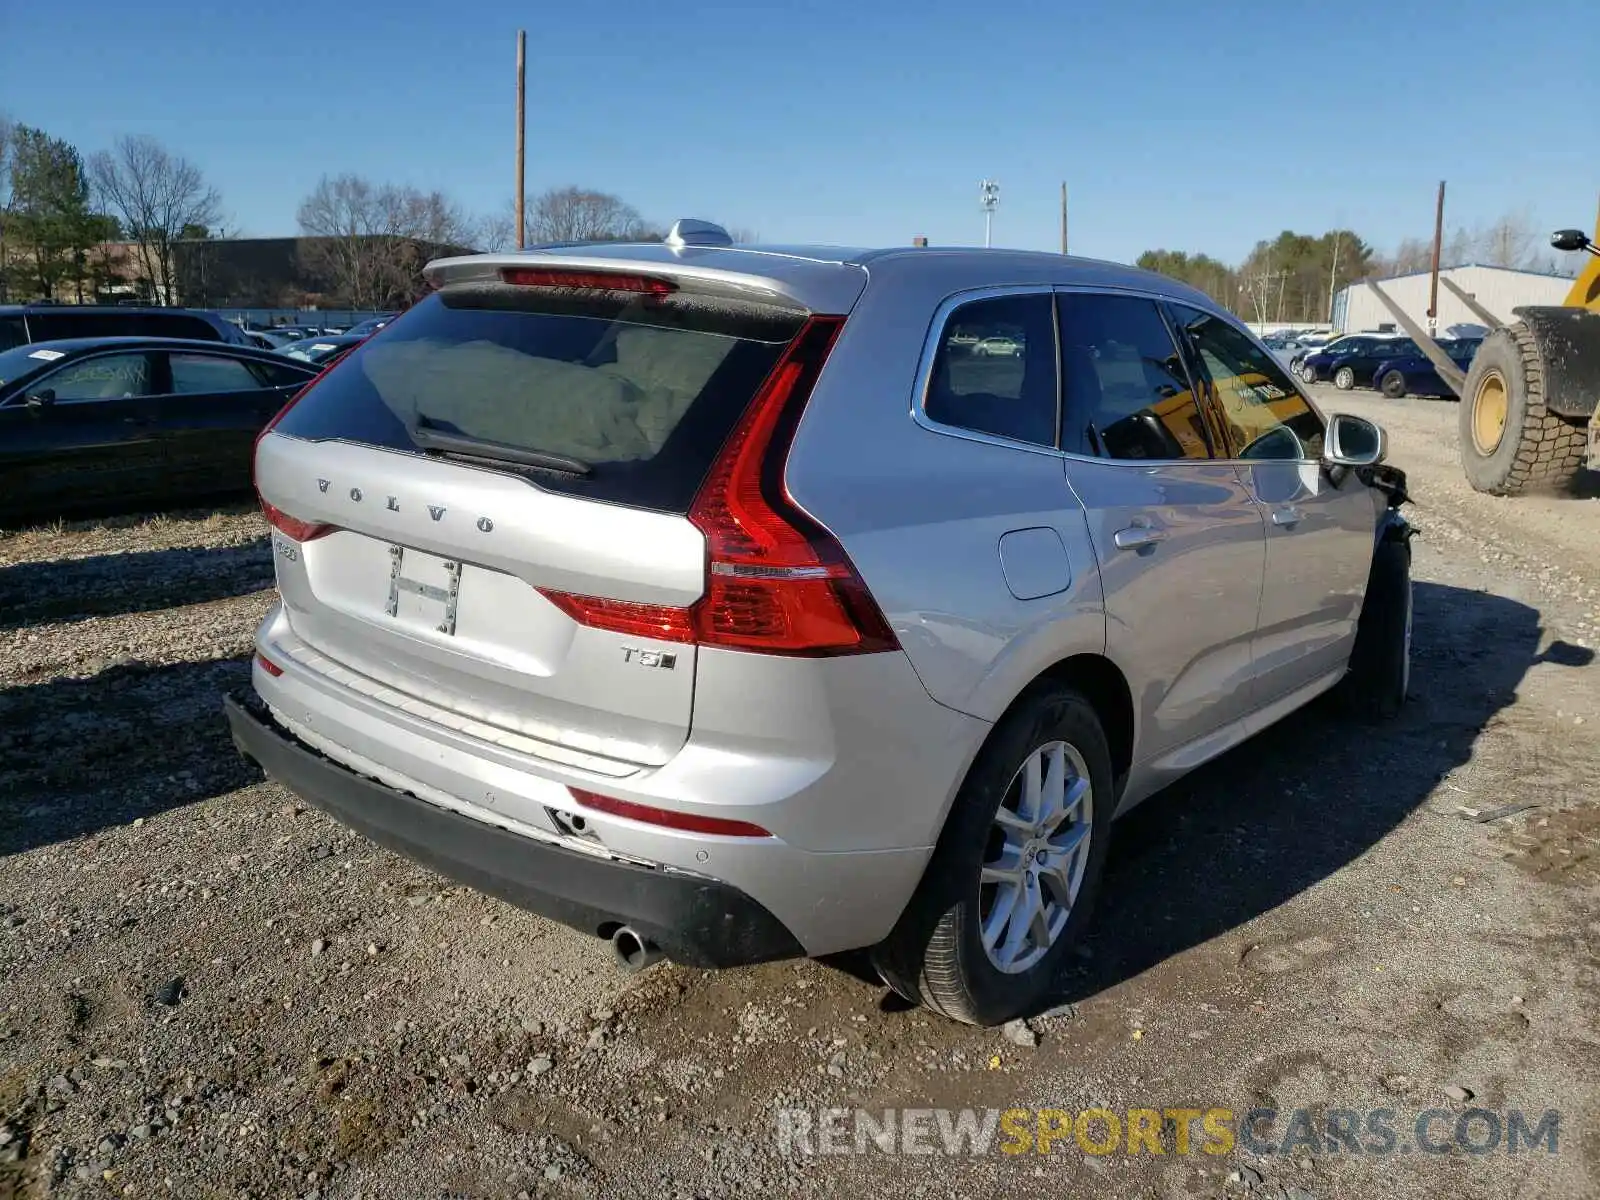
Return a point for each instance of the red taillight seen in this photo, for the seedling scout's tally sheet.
(776, 581)
(267, 665)
(642, 620)
(602, 281)
(293, 527)
(667, 818)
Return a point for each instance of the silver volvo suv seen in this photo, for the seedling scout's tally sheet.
(737, 603)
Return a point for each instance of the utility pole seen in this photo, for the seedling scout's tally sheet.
(522, 113)
(988, 197)
(1063, 218)
(1433, 286)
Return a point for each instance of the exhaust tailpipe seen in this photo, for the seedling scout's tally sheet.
(634, 952)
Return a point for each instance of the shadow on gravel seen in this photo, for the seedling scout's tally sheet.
(1585, 485)
(41, 591)
(1253, 829)
(1289, 808)
(81, 755)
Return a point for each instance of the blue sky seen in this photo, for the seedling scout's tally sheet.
(1198, 127)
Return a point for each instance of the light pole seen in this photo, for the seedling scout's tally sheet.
(989, 197)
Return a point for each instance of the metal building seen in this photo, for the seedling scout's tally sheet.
(1498, 289)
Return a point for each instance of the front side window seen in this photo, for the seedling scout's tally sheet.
(995, 369)
(1127, 393)
(200, 374)
(1263, 414)
(108, 377)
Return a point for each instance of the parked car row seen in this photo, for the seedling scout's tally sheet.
(1392, 363)
(1287, 343)
(321, 350)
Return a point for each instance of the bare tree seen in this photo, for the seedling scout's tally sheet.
(1412, 255)
(497, 233)
(159, 197)
(1512, 241)
(372, 240)
(339, 214)
(573, 214)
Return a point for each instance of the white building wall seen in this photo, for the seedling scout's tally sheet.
(1497, 289)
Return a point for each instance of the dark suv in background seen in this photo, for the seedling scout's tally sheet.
(23, 324)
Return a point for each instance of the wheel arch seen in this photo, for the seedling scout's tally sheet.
(1105, 687)
(1565, 343)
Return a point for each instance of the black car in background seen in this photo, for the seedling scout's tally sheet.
(100, 424)
(23, 324)
(370, 326)
(320, 351)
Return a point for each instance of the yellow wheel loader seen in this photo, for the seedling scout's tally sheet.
(1529, 417)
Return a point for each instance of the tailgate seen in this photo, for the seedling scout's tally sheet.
(428, 585)
(496, 445)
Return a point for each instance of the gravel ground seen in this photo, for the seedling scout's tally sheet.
(212, 991)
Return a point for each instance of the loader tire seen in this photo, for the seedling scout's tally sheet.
(1510, 442)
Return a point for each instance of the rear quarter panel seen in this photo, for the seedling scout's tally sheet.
(921, 514)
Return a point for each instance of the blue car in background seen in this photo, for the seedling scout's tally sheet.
(1349, 361)
(1414, 375)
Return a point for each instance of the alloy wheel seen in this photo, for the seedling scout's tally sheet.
(1035, 859)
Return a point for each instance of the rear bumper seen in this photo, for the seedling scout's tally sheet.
(696, 921)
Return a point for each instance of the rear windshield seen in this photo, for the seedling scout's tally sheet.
(642, 390)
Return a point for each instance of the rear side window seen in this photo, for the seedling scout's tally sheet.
(995, 369)
(199, 374)
(12, 333)
(641, 390)
(1127, 392)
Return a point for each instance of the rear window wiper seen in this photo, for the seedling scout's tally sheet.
(429, 438)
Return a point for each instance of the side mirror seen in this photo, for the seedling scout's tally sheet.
(1570, 240)
(1354, 442)
(41, 399)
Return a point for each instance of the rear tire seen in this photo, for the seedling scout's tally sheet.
(1374, 689)
(1393, 385)
(1344, 379)
(937, 954)
(1510, 442)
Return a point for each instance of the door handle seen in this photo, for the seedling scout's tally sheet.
(1287, 516)
(1136, 537)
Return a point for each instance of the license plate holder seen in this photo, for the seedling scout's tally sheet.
(423, 588)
